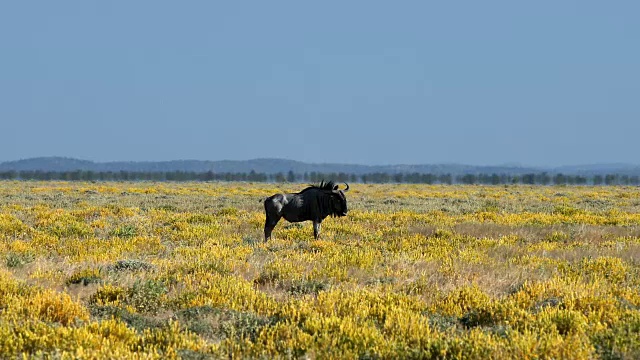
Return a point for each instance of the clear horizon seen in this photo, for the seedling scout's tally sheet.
(343, 163)
(542, 84)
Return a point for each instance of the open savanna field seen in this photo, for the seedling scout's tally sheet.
(180, 270)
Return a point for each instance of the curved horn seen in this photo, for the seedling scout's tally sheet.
(347, 189)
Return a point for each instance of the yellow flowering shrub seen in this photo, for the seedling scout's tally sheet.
(180, 270)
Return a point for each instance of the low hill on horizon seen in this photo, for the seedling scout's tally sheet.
(274, 166)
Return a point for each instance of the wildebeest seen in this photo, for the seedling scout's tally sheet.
(314, 203)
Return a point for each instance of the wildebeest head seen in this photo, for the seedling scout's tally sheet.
(332, 201)
(340, 201)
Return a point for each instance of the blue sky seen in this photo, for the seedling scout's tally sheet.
(370, 82)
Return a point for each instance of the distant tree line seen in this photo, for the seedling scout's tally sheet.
(374, 178)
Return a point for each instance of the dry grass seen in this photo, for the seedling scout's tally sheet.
(414, 271)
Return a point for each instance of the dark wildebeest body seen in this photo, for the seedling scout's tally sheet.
(314, 203)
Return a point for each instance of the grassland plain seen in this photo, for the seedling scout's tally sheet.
(161, 270)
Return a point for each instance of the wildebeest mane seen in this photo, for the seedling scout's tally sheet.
(322, 204)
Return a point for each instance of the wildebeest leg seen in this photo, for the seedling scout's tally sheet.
(316, 229)
(269, 224)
